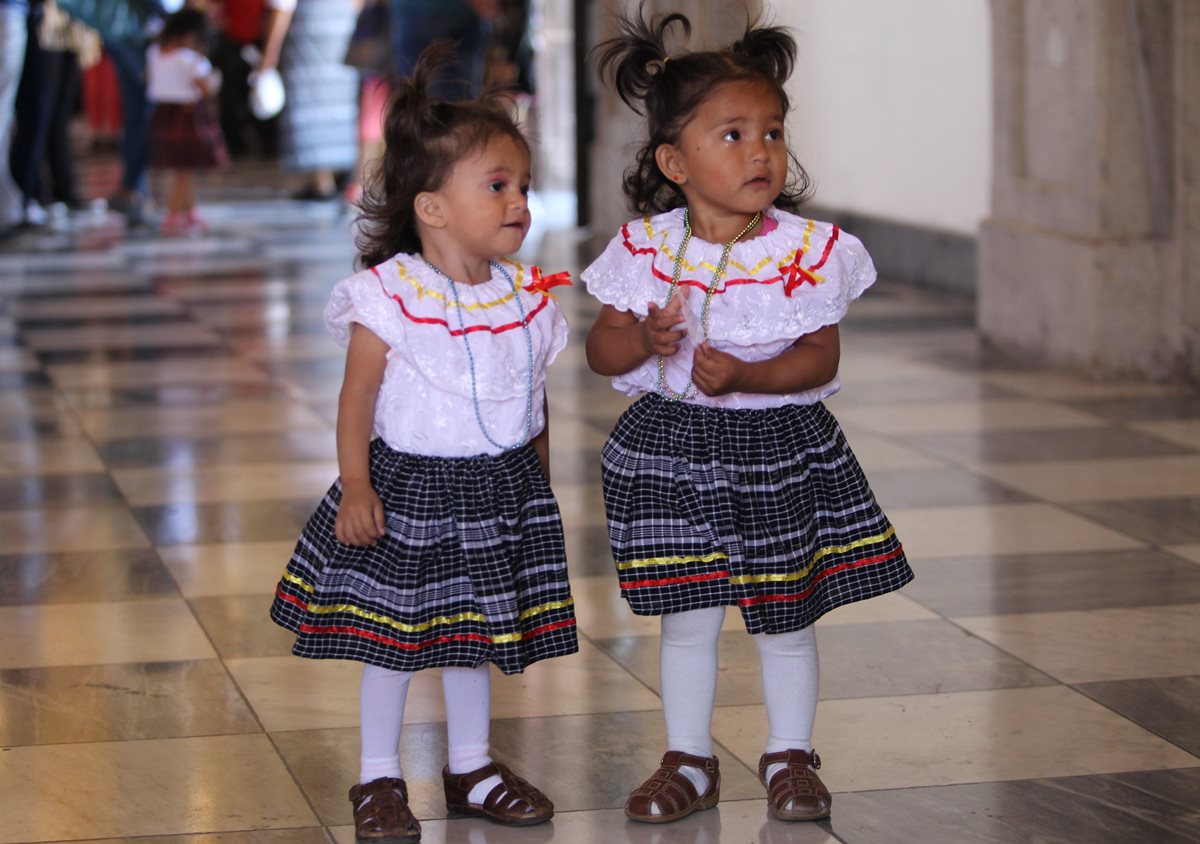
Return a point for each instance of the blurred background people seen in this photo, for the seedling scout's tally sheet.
(126, 26)
(418, 23)
(240, 26)
(185, 137)
(318, 129)
(13, 38)
(42, 160)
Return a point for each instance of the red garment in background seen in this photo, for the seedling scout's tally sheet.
(243, 20)
(102, 100)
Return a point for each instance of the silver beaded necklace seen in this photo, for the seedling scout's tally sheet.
(462, 325)
(664, 389)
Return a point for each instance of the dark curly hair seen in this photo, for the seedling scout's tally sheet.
(183, 24)
(668, 86)
(425, 138)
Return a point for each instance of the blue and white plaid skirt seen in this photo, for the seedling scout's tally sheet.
(472, 569)
(766, 510)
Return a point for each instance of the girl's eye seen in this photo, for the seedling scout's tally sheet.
(524, 190)
(496, 187)
(733, 135)
(774, 134)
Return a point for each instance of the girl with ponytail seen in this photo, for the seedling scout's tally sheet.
(440, 545)
(728, 483)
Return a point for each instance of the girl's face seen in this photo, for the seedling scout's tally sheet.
(486, 199)
(731, 159)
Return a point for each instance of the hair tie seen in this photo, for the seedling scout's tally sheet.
(665, 60)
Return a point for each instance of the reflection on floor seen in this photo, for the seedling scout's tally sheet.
(166, 423)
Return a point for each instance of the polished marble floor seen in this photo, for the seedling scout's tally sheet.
(166, 423)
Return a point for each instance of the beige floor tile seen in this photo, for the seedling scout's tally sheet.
(157, 373)
(154, 630)
(260, 482)
(70, 529)
(308, 835)
(49, 457)
(924, 740)
(580, 504)
(171, 335)
(573, 433)
(17, 360)
(973, 415)
(893, 606)
(231, 417)
(1185, 432)
(930, 532)
(1094, 645)
(304, 347)
(573, 394)
(288, 693)
(1053, 385)
(95, 307)
(246, 568)
(157, 787)
(859, 368)
(732, 822)
(1114, 479)
(879, 454)
(603, 614)
(30, 401)
(1188, 552)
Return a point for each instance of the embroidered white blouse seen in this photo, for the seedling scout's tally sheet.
(798, 276)
(425, 400)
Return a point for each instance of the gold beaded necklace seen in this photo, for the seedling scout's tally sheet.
(664, 389)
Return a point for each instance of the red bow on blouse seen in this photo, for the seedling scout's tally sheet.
(542, 284)
(795, 275)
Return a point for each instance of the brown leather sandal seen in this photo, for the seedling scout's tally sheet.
(514, 802)
(672, 792)
(381, 813)
(795, 793)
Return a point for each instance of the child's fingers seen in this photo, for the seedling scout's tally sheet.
(380, 522)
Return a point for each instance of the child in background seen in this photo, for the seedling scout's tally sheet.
(184, 136)
(728, 483)
(441, 545)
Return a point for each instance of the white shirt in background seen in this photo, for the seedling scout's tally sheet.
(171, 75)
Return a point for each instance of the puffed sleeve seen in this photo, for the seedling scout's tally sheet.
(363, 298)
(617, 276)
(560, 333)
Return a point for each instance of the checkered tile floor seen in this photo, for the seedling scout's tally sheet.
(166, 423)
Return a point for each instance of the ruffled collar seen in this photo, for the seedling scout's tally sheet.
(793, 252)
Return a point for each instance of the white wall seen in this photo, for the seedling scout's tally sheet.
(892, 106)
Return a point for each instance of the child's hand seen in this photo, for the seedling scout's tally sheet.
(716, 373)
(658, 328)
(360, 515)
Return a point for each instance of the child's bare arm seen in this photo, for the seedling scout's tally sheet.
(360, 518)
(619, 341)
(810, 362)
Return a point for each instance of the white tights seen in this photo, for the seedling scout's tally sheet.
(468, 709)
(688, 671)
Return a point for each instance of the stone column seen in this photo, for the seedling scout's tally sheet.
(1089, 259)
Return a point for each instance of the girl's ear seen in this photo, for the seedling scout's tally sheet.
(428, 208)
(670, 163)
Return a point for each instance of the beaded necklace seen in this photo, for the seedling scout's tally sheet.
(471, 358)
(664, 389)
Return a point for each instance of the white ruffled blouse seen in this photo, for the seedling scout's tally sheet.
(798, 276)
(425, 401)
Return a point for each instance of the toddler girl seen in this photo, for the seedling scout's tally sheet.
(440, 546)
(728, 483)
(184, 136)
